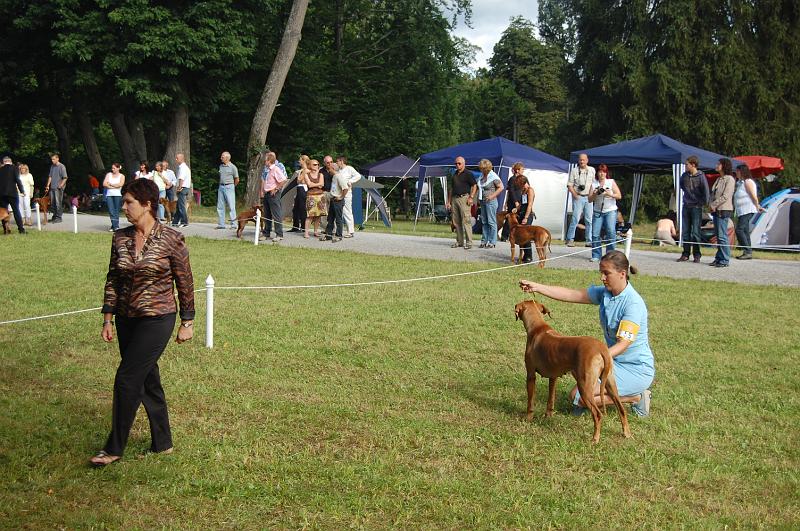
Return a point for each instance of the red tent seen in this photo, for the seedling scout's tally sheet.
(761, 166)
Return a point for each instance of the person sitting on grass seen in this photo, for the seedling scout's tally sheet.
(623, 318)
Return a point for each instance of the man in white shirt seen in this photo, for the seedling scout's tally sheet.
(350, 176)
(184, 189)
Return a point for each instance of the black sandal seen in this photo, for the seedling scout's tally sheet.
(103, 459)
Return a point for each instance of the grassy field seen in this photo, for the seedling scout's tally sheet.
(389, 406)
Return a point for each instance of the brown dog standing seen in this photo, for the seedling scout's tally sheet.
(248, 215)
(552, 355)
(44, 207)
(4, 219)
(524, 234)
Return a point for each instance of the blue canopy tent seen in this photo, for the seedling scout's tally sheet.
(501, 152)
(397, 167)
(653, 154)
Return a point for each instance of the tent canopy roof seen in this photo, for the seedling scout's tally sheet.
(761, 166)
(652, 154)
(393, 167)
(497, 150)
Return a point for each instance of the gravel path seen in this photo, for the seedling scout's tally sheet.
(764, 272)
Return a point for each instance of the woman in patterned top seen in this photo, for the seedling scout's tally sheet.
(145, 260)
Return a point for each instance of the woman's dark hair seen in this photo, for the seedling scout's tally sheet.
(144, 191)
(619, 261)
(146, 166)
(604, 168)
(520, 181)
(744, 171)
(727, 166)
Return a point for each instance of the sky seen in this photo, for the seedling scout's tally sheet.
(489, 19)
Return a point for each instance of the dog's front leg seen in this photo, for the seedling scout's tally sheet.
(551, 397)
(531, 392)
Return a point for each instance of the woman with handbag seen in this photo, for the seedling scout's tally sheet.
(316, 203)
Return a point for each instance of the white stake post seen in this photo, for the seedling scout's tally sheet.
(38, 219)
(74, 219)
(258, 226)
(209, 312)
(628, 241)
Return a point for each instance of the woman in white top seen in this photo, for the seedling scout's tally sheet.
(746, 204)
(489, 187)
(25, 199)
(603, 196)
(144, 172)
(113, 184)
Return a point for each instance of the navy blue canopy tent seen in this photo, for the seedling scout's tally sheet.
(501, 152)
(653, 154)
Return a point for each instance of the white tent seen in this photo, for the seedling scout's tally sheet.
(771, 228)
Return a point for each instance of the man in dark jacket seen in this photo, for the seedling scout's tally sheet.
(695, 197)
(9, 184)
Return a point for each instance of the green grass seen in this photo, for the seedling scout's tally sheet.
(389, 406)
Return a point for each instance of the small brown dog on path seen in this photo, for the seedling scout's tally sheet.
(169, 208)
(552, 355)
(524, 234)
(44, 207)
(244, 217)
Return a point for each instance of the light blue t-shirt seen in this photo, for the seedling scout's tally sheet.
(628, 308)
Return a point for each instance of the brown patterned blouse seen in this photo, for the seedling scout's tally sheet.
(143, 287)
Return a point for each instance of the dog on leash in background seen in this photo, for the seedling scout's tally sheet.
(44, 207)
(169, 208)
(552, 355)
(524, 234)
(248, 215)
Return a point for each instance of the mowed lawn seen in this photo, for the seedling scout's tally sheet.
(389, 406)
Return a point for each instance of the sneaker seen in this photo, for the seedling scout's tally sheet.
(455, 245)
(593, 259)
(183, 225)
(745, 257)
(490, 246)
(642, 407)
(482, 246)
(588, 244)
(347, 236)
(112, 229)
(577, 411)
(570, 243)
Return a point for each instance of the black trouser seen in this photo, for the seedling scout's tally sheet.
(337, 205)
(142, 340)
(527, 251)
(299, 210)
(13, 202)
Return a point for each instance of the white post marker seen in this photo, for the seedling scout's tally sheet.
(258, 226)
(38, 218)
(74, 219)
(628, 241)
(210, 311)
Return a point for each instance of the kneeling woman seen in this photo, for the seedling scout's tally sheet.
(145, 259)
(623, 318)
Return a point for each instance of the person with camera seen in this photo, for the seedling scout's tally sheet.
(579, 186)
(603, 196)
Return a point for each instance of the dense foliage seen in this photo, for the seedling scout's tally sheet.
(106, 80)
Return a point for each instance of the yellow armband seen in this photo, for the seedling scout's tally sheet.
(627, 330)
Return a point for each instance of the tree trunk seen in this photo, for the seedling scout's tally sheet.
(125, 144)
(178, 136)
(137, 135)
(269, 97)
(64, 144)
(90, 144)
(155, 147)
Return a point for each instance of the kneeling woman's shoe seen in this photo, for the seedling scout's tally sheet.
(103, 459)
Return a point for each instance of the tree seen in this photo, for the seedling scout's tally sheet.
(269, 97)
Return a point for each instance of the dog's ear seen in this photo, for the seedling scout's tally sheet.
(546, 311)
